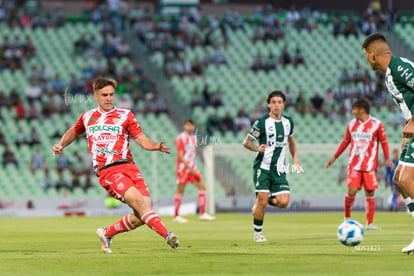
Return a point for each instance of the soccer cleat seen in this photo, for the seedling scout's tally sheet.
(179, 219)
(172, 240)
(372, 227)
(346, 219)
(207, 217)
(408, 249)
(258, 237)
(106, 242)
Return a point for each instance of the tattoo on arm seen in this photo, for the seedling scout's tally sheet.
(248, 144)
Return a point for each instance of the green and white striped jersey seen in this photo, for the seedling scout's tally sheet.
(275, 134)
(399, 79)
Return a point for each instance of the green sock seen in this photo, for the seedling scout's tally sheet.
(258, 225)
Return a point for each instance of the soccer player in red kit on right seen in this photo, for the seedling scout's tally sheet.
(108, 130)
(187, 171)
(364, 133)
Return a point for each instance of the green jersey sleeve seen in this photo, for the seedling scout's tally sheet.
(256, 131)
(405, 73)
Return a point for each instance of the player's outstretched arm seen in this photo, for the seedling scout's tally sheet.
(249, 144)
(67, 138)
(148, 144)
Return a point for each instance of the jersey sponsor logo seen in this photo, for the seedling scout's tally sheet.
(92, 120)
(104, 138)
(271, 128)
(404, 73)
(361, 135)
(278, 144)
(104, 150)
(105, 128)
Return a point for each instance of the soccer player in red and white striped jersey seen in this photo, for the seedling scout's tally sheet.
(108, 130)
(187, 171)
(364, 133)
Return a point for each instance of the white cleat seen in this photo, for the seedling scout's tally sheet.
(258, 237)
(106, 242)
(172, 240)
(207, 217)
(409, 249)
(372, 227)
(179, 219)
(346, 219)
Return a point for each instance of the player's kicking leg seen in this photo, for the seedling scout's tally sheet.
(142, 209)
(258, 216)
(404, 181)
(177, 203)
(202, 200)
(142, 215)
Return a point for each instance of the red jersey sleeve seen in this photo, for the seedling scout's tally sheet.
(344, 144)
(382, 137)
(79, 126)
(133, 127)
(180, 144)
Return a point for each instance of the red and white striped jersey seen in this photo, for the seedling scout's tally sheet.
(188, 145)
(364, 138)
(108, 134)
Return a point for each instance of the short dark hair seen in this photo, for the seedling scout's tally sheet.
(189, 121)
(372, 37)
(361, 103)
(275, 93)
(100, 83)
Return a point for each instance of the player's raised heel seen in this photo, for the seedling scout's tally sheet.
(207, 217)
(172, 240)
(258, 237)
(106, 242)
(408, 249)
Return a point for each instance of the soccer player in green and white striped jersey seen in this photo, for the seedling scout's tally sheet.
(274, 133)
(399, 79)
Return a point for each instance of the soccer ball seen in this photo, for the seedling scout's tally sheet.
(350, 233)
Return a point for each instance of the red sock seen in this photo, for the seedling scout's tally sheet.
(154, 222)
(370, 209)
(123, 225)
(349, 201)
(202, 202)
(177, 203)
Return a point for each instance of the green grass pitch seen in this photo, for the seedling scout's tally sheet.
(300, 244)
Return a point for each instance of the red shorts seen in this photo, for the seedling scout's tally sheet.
(116, 180)
(184, 177)
(359, 178)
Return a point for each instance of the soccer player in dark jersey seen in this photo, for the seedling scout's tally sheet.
(108, 130)
(274, 134)
(399, 79)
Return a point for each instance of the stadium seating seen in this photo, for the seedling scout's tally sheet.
(240, 87)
